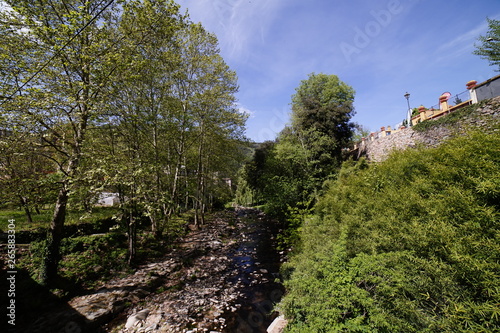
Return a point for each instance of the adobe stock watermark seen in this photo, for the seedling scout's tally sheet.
(260, 313)
(364, 36)
(12, 290)
(276, 123)
(11, 275)
(225, 8)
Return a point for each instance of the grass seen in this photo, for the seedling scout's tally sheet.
(450, 119)
(86, 258)
(93, 250)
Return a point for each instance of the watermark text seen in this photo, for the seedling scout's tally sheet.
(11, 273)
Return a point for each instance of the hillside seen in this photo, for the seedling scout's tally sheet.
(410, 244)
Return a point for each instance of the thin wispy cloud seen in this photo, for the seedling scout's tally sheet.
(382, 49)
(465, 40)
(464, 43)
(238, 24)
(244, 110)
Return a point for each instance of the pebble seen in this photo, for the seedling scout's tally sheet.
(180, 297)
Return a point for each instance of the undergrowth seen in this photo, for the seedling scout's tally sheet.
(95, 249)
(407, 245)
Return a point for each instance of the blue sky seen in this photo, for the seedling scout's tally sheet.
(383, 49)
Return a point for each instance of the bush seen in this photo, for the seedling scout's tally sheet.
(90, 259)
(86, 259)
(407, 245)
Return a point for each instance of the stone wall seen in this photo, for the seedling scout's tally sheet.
(483, 116)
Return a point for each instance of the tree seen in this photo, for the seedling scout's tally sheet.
(360, 132)
(145, 112)
(55, 87)
(129, 97)
(490, 44)
(321, 111)
(288, 173)
(210, 127)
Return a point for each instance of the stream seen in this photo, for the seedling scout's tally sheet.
(257, 262)
(220, 278)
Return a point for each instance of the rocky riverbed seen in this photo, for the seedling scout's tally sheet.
(221, 278)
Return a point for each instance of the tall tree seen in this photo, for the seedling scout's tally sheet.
(288, 173)
(212, 105)
(322, 108)
(145, 111)
(204, 88)
(67, 58)
(490, 44)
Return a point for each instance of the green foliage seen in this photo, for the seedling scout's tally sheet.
(323, 102)
(359, 133)
(414, 112)
(295, 217)
(490, 44)
(41, 221)
(322, 108)
(87, 260)
(457, 100)
(137, 101)
(287, 174)
(245, 195)
(279, 177)
(90, 259)
(407, 245)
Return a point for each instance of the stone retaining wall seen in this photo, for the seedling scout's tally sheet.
(483, 117)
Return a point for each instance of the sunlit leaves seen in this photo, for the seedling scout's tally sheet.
(490, 44)
(407, 245)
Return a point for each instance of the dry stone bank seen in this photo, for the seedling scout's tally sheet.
(200, 286)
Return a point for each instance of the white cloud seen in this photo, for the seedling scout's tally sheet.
(244, 110)
(465, 39)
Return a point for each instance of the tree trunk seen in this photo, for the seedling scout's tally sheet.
(24, 204)
(200, 187)
(55, 235)
(131, 238)
(52, 256)
(202, 201)
(155, 228)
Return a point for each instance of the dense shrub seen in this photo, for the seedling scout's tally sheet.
(408, 245)
(86, 259)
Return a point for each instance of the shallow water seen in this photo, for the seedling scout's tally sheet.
(257, 262)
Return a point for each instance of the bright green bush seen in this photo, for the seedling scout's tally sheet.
(408, 245)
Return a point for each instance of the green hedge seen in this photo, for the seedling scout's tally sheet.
(408, 245)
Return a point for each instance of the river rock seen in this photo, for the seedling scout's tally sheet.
(137, 319)
(278, 325)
